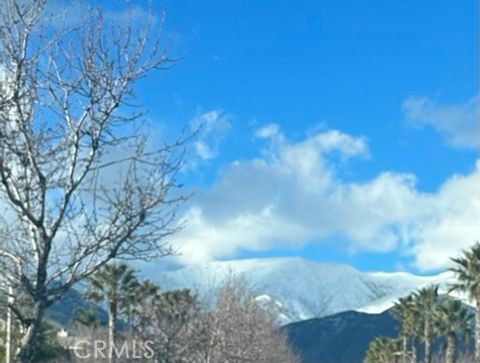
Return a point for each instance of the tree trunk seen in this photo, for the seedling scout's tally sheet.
(451, 348)
(404, 348)
(414, 352)
(8, 339)
(477, 330)
(31, 335)
(112, 329)
(413, 357)
(428, 342)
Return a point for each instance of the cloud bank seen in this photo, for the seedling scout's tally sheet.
(293, 195)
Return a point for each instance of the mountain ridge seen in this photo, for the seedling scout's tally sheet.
(302, 288)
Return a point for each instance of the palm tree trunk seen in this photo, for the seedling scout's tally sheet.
(451, 348)
(428, 342)
(112, 329)
(404, 348)
(414, 351)
(477, 330)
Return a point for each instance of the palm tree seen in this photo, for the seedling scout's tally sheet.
(453, 319)
(87, 319)
(404, 310)
(427, 302)
(381, 350)
(144, 297)
(467, 270)
(113, 285)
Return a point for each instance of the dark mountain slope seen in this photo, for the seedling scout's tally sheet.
(339, 338)
(63, 311)
(344, 337)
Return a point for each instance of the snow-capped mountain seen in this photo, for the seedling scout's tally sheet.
(301, 288)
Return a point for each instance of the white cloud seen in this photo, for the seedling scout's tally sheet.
(212, 127)
(458, 124)
(454, 223)
(269, 131)
(293, 195)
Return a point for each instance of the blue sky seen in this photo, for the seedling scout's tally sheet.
(381, 98)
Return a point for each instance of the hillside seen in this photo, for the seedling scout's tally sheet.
(340, 338)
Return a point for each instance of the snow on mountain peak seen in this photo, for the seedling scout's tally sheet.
(301, 288)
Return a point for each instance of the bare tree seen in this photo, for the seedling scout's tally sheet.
(243, 331)
(79, 185)
(236, 329)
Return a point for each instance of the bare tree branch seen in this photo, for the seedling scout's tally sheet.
(81, 183)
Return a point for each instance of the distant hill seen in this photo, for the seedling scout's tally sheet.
(340, 338)
(63, 311)
(344, 337)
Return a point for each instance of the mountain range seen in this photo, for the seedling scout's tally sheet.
(303, 289)
(330, 312)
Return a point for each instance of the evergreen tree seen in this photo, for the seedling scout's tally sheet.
(144, 296)
(467, 270)
(112, 285)
(427, 303)
(381, 350)
(453, 319)
(404, 310)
